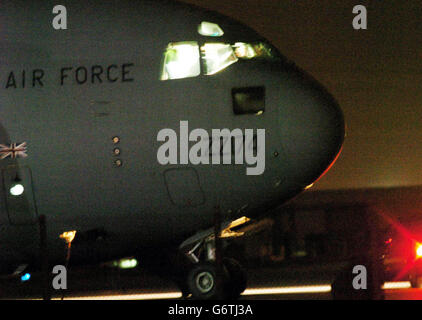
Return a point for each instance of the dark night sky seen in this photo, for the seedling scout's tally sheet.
(375, 74)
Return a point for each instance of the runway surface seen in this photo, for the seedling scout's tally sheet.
(298, 283)
(311, 292)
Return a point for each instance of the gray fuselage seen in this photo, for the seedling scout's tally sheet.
(68, 93)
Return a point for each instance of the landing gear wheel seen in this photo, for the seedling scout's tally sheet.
(237, 279)
(203, 282)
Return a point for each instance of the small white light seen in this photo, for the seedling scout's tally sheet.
(127, 263)
(17, 190)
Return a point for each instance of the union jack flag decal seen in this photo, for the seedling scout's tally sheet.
(13, 151)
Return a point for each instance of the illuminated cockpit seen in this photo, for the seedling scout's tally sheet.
(186, 59)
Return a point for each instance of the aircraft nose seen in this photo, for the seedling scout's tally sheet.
(312, 127)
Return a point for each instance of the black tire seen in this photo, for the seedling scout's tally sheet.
(237, 279)
(203, 282)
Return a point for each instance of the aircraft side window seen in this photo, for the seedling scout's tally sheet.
(250, 100)
(181, 60)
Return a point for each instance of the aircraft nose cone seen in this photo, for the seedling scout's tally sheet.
(312, 128)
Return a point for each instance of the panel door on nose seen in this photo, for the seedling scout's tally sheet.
(183, 187)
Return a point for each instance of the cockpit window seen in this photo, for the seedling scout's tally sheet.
(210, 29)
(181, 60)
(253, 51)
(217, 57)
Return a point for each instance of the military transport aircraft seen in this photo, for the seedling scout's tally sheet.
(82, 114)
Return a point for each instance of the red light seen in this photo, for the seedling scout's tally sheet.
(419, 250)
(388, 241)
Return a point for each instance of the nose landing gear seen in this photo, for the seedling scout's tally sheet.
(209, 280)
